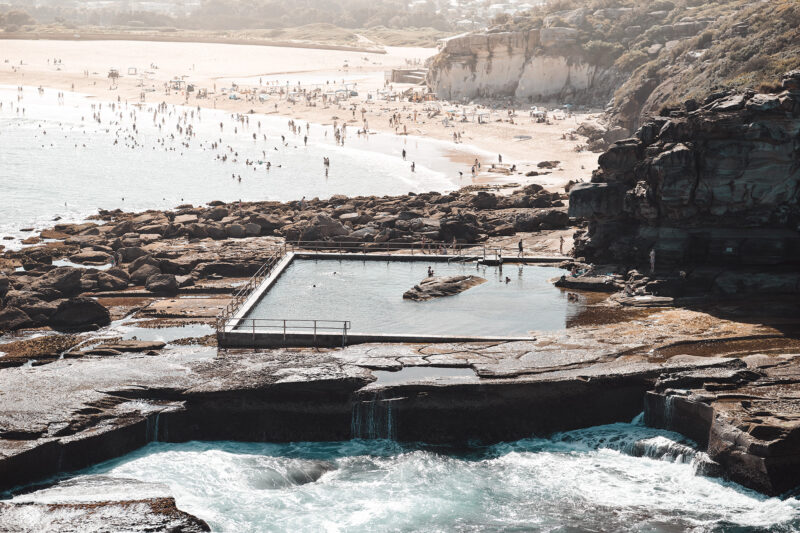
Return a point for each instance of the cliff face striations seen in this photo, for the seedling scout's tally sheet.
(538, 64)
(715, 184)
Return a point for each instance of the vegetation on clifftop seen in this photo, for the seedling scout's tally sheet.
(674, 50)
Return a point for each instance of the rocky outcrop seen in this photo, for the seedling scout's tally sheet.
(164, 252)
(539, 64)
(162, 284)
(747, 418)
(716, 187)
(93, 504)
(153, 514)
(79, 313)
(436, 287)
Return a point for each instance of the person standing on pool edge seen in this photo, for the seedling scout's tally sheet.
(519, 245)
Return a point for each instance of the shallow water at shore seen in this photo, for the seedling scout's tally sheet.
(56, 161)
(620, 477)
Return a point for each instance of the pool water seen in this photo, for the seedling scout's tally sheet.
(619, 477)
(369, 294)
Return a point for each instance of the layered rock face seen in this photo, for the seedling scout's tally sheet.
(746, 418)
(536, 65)
(713, 185)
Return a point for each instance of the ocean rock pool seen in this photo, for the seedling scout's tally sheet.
(369, 294)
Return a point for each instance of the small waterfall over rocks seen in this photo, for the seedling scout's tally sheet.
(664, 449)
(661, 448)
(151, 427)
(372, 418)
(669, 410)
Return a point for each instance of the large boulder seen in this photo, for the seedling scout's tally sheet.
(108, 282)
(31, 303)
(436, 287)
(217, 213)
(143, 260)
(320, 227)
(162, 284)
(539, 219)
(484, 200)
(91, 257)
(123, 227)
(268, 224)
(128, 254)
(79, 314)
(143, 273)
(118, 272)
(65, 280)
(12, 318)
(236, 231)
(367, 234)
(5, 286)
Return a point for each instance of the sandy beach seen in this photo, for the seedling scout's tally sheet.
(145, 68)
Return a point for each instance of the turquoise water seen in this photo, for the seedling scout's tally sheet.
(619, 477)
(373, 290)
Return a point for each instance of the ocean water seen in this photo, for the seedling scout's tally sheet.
(66, 158)
(619, 477)
(373, 290)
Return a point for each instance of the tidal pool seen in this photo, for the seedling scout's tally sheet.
(619, 477)
(370, 295)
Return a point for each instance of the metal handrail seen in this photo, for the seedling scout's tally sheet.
(432, 248)
(284, 325)
(290, 324)
(241, 295)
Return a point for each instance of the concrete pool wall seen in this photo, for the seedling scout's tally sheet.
(242, 331)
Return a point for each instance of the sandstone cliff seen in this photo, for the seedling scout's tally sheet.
(718, 185)
(637, 57)
(536, 65)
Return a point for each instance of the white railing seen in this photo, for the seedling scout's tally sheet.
(244, 292)
(283, 327)
(413, 248)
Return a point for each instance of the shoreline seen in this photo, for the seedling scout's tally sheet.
(523, 142)
(166, 38)
(436, 160)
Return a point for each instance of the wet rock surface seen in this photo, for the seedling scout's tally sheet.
(436, 287)
(73, 412)
(747, 417)
(98, 504)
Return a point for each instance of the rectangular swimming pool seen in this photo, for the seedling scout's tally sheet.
(369, 294)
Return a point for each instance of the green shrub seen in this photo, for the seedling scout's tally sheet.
(601, 53)
(630, 61)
